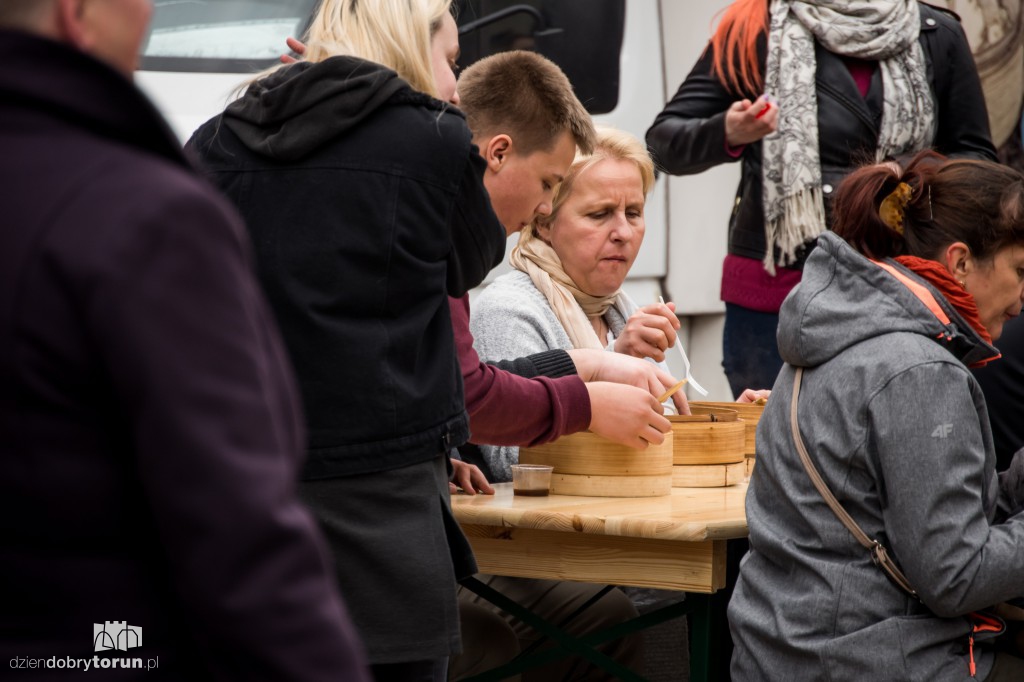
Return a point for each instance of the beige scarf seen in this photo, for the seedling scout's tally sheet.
(572, 306)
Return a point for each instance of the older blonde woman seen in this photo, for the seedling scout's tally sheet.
(565, 291)
(364, 197)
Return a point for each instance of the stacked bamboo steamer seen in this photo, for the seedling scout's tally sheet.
(708, 447)
(749, 414)
(587, 464)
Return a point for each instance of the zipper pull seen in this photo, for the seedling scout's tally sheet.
(973, 666)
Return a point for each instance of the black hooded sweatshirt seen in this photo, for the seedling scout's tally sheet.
(366, 206)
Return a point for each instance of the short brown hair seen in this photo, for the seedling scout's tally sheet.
(980, 203)
(526, 96)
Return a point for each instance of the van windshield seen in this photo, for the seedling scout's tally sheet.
(584, 37)
(222, 36)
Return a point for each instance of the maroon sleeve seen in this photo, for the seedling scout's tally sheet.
(507, 409)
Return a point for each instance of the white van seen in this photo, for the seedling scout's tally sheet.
(624, 57)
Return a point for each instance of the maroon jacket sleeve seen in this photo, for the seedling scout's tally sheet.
(507, 409)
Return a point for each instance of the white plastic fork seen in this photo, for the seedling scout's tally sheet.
(686, 363)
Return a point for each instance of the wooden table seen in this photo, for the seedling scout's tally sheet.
(676, 542)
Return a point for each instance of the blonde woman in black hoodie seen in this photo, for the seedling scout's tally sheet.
(364, 198)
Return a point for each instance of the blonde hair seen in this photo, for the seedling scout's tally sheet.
(610, 143)
(395, 33)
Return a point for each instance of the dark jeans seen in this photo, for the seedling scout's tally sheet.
(413, 671)
(750, 352)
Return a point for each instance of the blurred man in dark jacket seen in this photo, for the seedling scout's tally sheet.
(1002, 382)
(150, 433)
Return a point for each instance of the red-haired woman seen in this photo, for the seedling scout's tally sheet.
(922, 271)
(800, 93)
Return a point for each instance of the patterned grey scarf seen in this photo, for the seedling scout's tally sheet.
(883, 30)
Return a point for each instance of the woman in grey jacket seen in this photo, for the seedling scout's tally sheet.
(924, 268)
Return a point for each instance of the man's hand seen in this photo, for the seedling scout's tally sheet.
(600, 365)
(626, 415)
(469, 478)
(649, 331)
(747, 121)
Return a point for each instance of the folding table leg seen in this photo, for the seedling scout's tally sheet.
(565, 641)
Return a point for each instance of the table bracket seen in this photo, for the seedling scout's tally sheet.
(567, 644)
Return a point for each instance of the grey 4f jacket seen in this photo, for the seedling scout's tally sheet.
(897, 426)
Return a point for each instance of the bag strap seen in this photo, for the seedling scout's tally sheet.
(878, 553)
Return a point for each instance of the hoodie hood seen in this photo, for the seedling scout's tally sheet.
(845, 298)
(295, 110)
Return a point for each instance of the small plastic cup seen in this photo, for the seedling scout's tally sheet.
(531, 480)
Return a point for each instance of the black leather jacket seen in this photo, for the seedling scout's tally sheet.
(688, 136)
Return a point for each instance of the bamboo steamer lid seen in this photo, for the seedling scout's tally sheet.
(611, 486)
(715, 437)
(747, 411)
(708, 475)
(709, 412)
(588, 454)
(750, 413)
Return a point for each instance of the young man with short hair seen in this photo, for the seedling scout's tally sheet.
(527, 124)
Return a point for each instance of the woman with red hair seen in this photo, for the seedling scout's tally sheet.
(800, 92)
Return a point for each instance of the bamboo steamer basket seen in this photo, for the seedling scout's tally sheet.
(611, 486)
(587, 464)
(588, 454)
(708, 475)
(749, 413)
(711, 435)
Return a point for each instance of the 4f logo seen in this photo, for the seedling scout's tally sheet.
(942, 431)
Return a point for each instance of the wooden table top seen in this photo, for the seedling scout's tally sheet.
(687, 515)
